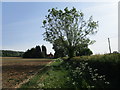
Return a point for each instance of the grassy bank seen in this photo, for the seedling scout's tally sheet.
(98, 71)
(50, 77)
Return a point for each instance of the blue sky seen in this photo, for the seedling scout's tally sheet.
(22, 21)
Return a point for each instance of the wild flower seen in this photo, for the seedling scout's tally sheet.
(94, 79)
(86, 73)
(73, 83)
(41, 84)
(96, 74)
(92, 86)
(86, 63)
(107, 82)
(95, 70)
(100, 77)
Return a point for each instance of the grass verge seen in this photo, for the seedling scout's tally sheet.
(52, 76)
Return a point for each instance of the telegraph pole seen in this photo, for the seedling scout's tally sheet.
(109, 45)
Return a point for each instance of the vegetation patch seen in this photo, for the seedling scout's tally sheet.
(78, 73)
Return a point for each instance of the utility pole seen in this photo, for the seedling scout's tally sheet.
(109, 45)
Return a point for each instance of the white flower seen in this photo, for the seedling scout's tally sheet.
(103, 78)
(96, 74)
(94, 79)
(107, 82)
(92, 86)
(80, 73)
(95, 69)
(100, 76)
(73, 83)
(41, 84)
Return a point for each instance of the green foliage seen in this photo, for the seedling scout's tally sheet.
(113, 58)
(83, 76)
(9, 53)
(44, 50)
(107, 65)
(35, 52)
(60, 51)
(69, 27)
(80, 73)
(83, 50)
(54, 79)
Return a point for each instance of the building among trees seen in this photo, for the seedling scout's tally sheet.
(50, 55)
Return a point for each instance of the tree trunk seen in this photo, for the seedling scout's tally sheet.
(70, 52)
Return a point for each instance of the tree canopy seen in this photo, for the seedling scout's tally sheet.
(36, 52)
(44, 50)
(59, 49)
(9, 53)
(69, 27)
(83, 50)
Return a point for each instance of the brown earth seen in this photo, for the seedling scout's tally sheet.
(15, 70)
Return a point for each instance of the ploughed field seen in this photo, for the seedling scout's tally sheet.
(15, 70)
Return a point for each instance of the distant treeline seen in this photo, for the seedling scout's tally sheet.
(10, 53)
(37, 52)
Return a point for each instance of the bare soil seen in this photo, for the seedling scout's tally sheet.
(15, 70)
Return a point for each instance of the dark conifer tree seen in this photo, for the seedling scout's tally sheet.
(44, 51)
(38, 53)
(35, 52)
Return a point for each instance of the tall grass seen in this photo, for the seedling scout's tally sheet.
(108, 65)
(101, 58)
(97, 71)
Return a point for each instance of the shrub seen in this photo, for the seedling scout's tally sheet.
(83, 76)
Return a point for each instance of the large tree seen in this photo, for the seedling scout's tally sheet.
(70, 27)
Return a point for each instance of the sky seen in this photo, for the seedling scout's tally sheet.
(0, 26)
(22, 24)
